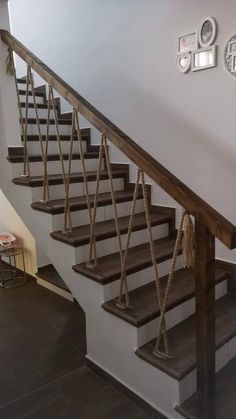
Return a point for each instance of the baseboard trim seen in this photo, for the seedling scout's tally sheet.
(125, 390)
(53, 288)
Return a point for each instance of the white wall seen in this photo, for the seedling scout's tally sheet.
(121, 56)
(10, 135)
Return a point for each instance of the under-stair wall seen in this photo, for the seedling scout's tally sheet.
(10, 137)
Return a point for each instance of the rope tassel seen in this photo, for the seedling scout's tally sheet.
(188, 242)
(10, 66)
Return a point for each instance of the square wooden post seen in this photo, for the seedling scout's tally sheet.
(205, 320)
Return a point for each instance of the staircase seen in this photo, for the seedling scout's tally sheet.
(122, 341)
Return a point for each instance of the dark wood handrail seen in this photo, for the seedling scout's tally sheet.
(217, 225)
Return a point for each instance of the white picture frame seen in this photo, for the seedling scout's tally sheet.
(208, 25)
(183, 62)
(204, 58)
(187, 43)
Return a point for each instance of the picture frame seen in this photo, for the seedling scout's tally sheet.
(207, 32)
(232, 48)
(187, 43)
(229, 56)
(204, 58)
(183, 62)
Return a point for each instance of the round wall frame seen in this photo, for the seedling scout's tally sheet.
(207, 32)
(230, 55)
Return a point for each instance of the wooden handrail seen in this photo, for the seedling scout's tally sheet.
(217, 225)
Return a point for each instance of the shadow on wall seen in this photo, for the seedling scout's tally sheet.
(10, 221)
(194, 154)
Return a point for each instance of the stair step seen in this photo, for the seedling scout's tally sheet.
(85, 133)
(106, 229)
(31, 105)
(43, 121)
(182, 341)
(57, 206)
(144, 305)
(51, 157)
(225, 395)
(50, 274)
(57, 179)
(108, 268)
(38, 94)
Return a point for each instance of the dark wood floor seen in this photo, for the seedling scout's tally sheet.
(42, 362)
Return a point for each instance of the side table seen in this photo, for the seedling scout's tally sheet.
(12, 277)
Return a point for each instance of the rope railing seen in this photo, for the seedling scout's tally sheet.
(123, 301)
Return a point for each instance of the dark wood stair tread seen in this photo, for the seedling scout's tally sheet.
(225, 395)
(51, 157)
(57, 179)
(43, 121)
(182, 340)
(144, 305)
(109, 269)
(106, 229)
(57, 206)
(85, 133)
(50, 274)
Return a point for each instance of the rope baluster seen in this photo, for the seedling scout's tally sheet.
(58, 135)
(153, 256)
(46, 192)
(68, 222)
(123, 278)
(11, 70)
(177, 247)
(108, 166)
(92, 250)
(37, 115)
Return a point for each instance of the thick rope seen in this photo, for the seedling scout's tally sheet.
(168, 285)
(123, 278)
(153, 255)
(108, 165)
(68, 222)
(11, 70)
(93, 261)
(37, 116)
(46, 191)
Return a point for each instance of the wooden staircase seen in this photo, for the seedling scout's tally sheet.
(120, 339)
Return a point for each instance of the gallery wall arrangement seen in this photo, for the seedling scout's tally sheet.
(196, 50)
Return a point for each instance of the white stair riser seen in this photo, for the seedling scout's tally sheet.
(140, 278)
(42, 113)
(32, 129)
(38, 99)
(76, 189)
(54, 167)
(187, 386)
(149, 331)
(53, 147)
(81, 217)
(108, 246)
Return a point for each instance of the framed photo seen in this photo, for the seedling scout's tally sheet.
(232, 48)
(183, 62)
(207, 32)
(204, 58)
(188, 43)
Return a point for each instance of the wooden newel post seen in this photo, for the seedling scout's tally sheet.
(205, 320)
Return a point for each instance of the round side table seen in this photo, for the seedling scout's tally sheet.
(12, 277)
